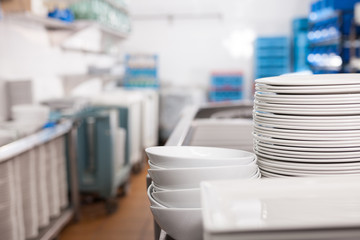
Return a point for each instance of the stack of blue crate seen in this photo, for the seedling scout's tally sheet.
(330, 24)
(226, 86)
(272, 56)
(300, 44)
(141, 71)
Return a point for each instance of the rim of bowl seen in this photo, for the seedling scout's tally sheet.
(148, 151)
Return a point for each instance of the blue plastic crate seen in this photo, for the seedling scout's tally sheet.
(272, 42)
(346, 5)
(300, 24)
(272, 62)
(218, 96)
(226, 81)
(300, 39)
(273, 52)
(347, 19)
(272, 71)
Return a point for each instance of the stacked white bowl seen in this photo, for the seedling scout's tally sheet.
(176, 172)
(308, 125)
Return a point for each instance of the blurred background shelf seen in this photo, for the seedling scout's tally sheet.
(74, 36)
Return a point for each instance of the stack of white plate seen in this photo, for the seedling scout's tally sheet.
(62, 176)
(25, 166)
(177, 171)
(11, 214)
(52, 179)
(41, 186)
(290, 208)
(308, 125)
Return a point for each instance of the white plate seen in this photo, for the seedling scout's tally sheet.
(307, 137)
(307, 106)
(295, 143)
(310, 166)
(327, 127)
(280, 204)
(315, 90)
(268, 174)
(310, 101)
(305, 97)
(300, 132)
(311, 112)
(309, 149)
(307, 173)
(326, 87)
(313, 155)
(308, 121)
(312, 80)
(305, 160)
(281, 116)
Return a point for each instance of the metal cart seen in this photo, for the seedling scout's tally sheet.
(101, 161)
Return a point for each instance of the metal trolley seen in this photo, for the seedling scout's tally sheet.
(103, 167)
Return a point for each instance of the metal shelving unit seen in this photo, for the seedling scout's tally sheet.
(61, 32)
(16, 148)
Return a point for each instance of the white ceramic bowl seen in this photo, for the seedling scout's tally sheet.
(185, 178)
(193, 156)
(189, 198)
(30, 113)
(153, 166)
(153, 202)
(156, 188)
(179, 223)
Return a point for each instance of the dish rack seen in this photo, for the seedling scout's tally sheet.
(34, 184)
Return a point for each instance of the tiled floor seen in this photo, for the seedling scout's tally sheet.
(131, 221)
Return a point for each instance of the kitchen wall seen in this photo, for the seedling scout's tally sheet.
(195, 41)
(202, 36)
